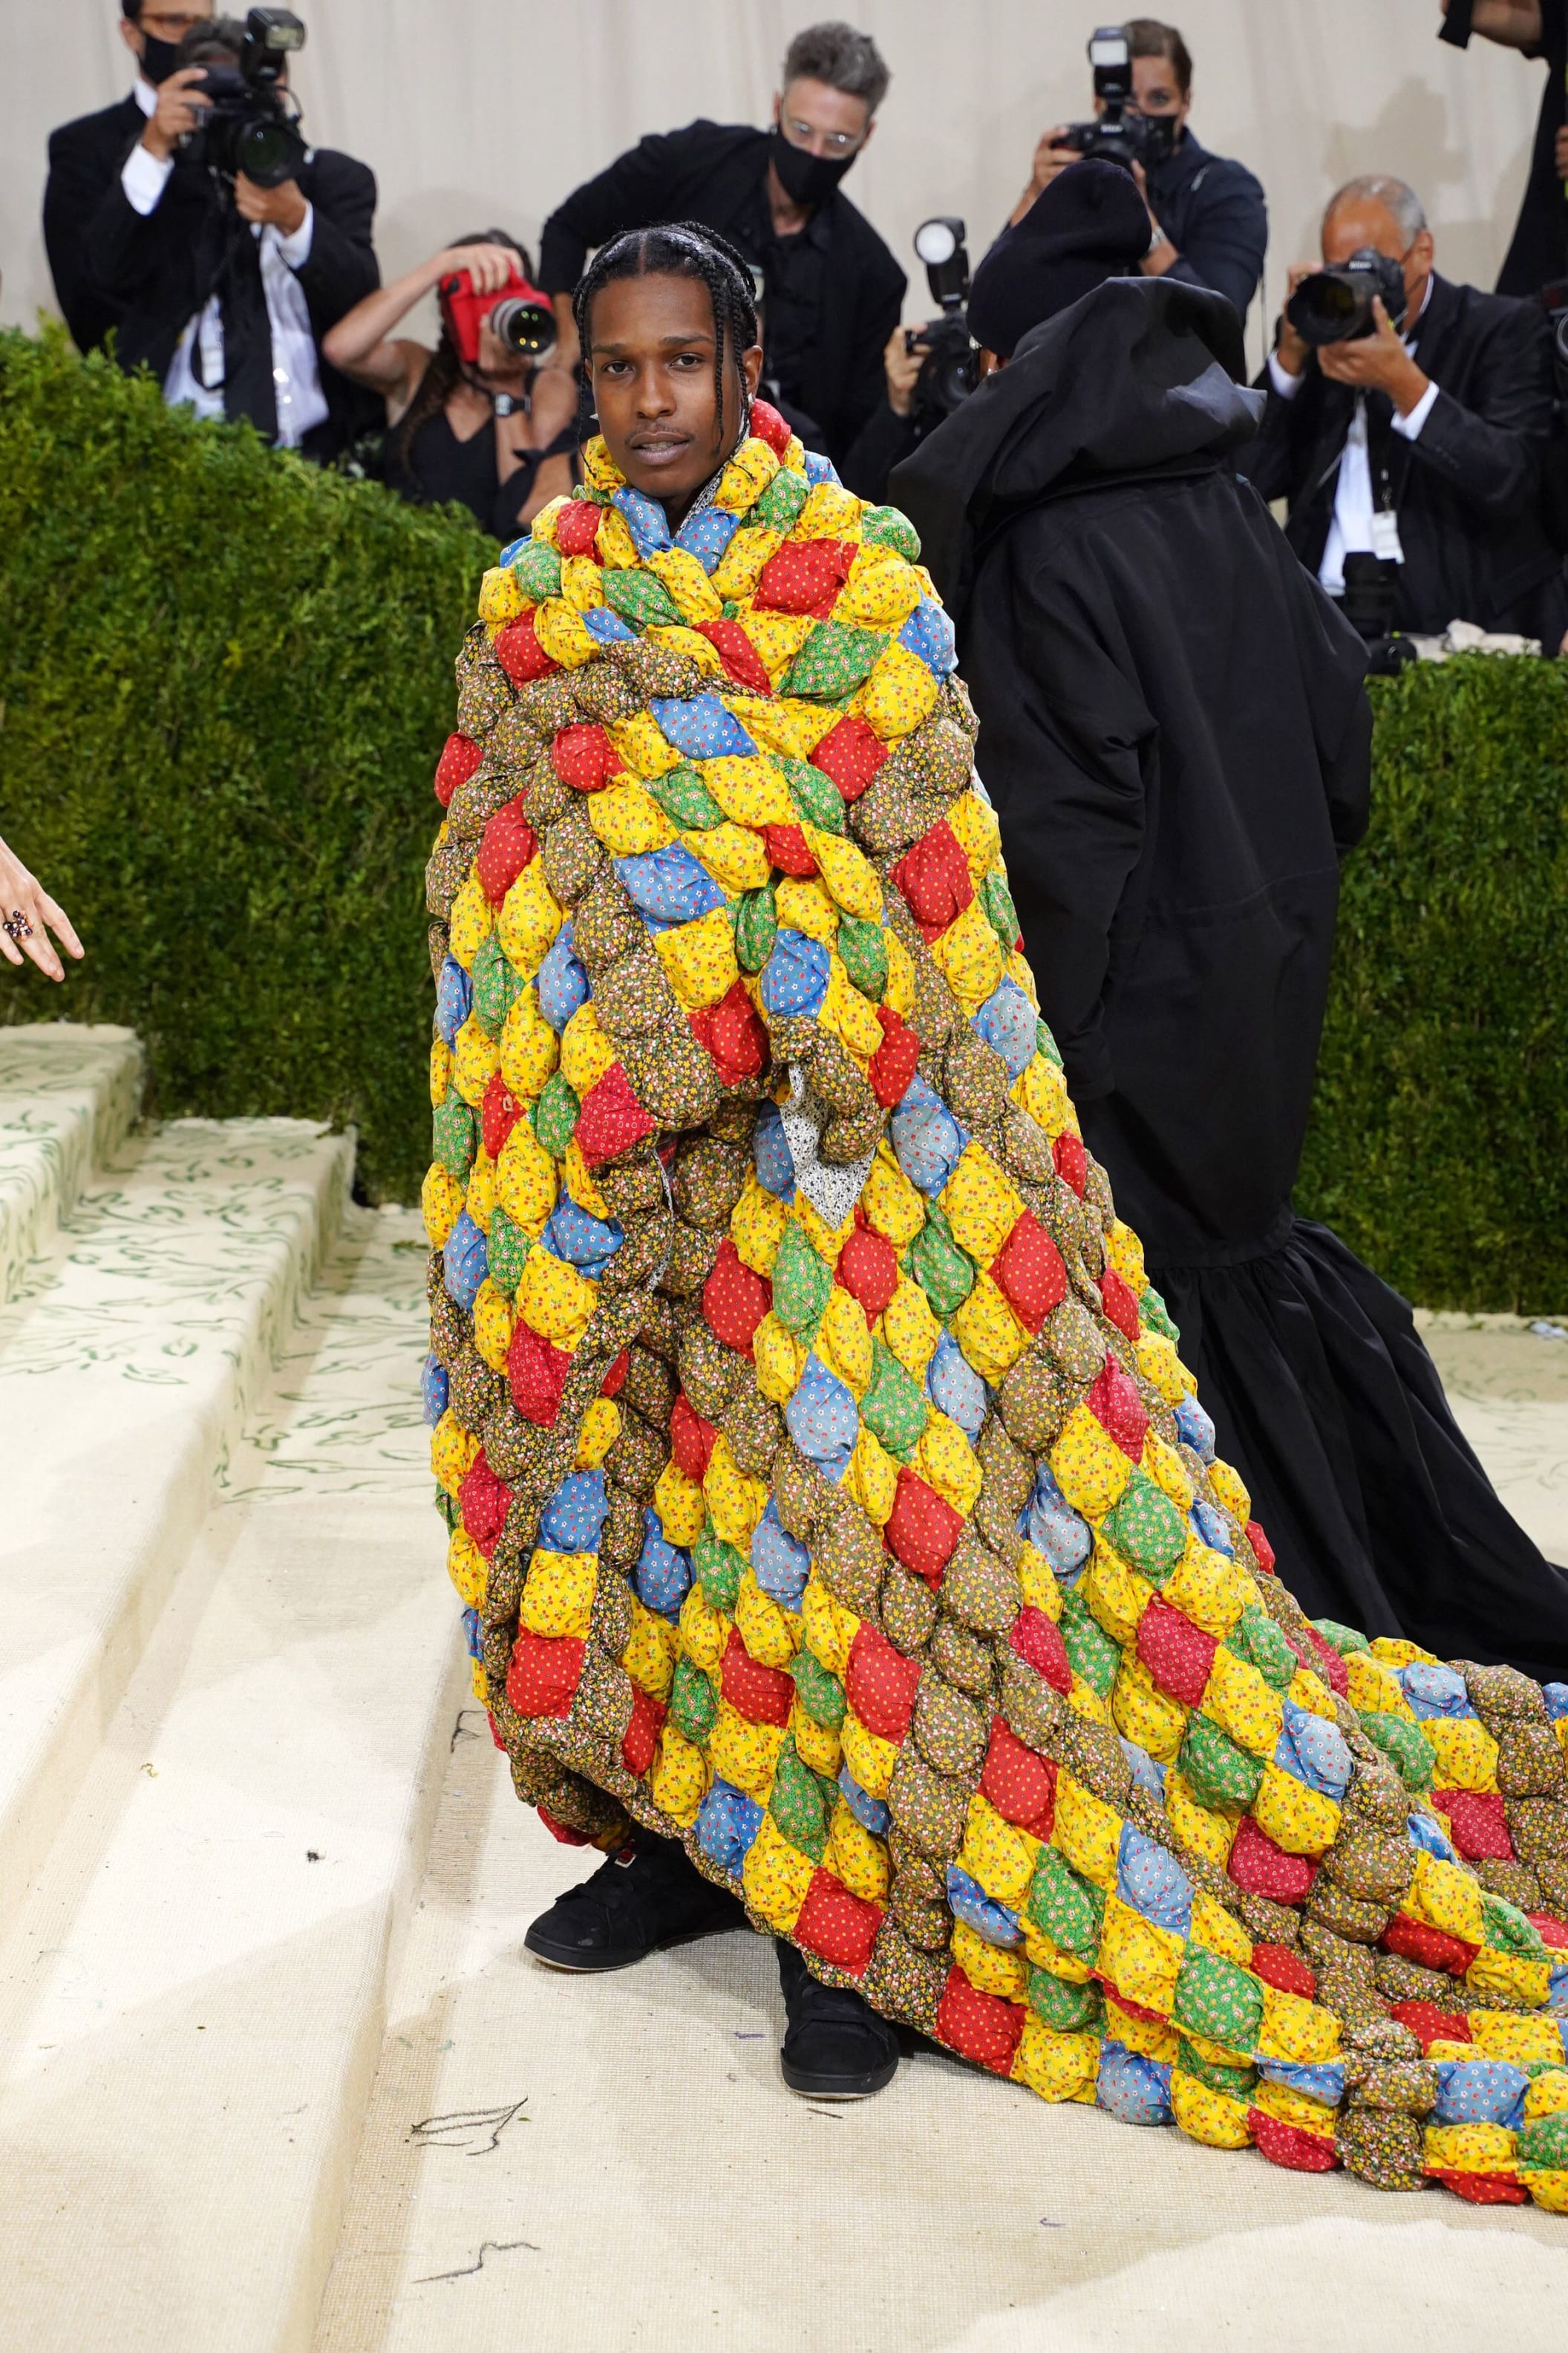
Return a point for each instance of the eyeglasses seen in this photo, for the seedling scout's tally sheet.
(834, 142)
(169, 24)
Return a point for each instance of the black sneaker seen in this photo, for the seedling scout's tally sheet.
(648, 1896)
(836, 2046)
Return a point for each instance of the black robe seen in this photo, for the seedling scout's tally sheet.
(1174, 732)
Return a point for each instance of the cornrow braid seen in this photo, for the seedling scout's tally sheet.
(683, 250)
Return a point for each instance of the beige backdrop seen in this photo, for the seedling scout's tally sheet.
(479, 110)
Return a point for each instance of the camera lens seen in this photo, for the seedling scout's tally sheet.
(1332, 306)
(523, 326)
(268, 151)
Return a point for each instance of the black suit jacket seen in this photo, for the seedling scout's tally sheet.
(157, 269)
(712, 172)
(84, 160)
(1466, 490)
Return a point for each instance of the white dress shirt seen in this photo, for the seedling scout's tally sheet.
(1351, 530)
(296, 372)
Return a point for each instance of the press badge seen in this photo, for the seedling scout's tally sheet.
(1386, 544)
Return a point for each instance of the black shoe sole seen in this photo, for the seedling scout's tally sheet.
(807, 2086)
(573, 1960)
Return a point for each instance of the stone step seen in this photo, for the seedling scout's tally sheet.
(68, 1095)
(193, 1999)
(127, 1359)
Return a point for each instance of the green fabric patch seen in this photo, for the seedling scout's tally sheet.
(756, 927)
(814, 795)
(509, 1248)
(1344, 1638)
(720, 1569)
(821, 1694)
(554, 1115)
(639, 596)
(537, 570)
(1543, 2143)
(1047, 1045)
(893, 1408)
(1000, 913)
(452, 1136)
(1154, 1313)
(1066, 1906)
(1218, 2000)
(1223, 1777)
(835, 659)
(1146, 1528)
(1091, 1652)
(686, 800)
(864, 948)
(795, 1804)
(1066, 2009)
(496, 986)
(943, 1272)
(779, 507)
(1508, 1931)
(1256, 1638)
(1233, 2083)
(693, 1704)
(1406, 1746)
(801, 1283)
(886, 527)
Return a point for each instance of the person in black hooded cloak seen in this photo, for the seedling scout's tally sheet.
(1176, 737)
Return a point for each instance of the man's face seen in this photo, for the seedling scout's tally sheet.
(823, 120)
(1362, 222)
(1155, 91)
(166, 20)
(650, 359)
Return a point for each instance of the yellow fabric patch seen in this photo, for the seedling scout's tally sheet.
(1394, 1651)
(890, 1202)
(628, 820)
(530, 1049)
(830, 512)
(1308, 1691)
(870, 1757)
(1056, 2066)
(744, 1753)
(1124, 1252)
(1037, 1583)
(466, 1568)
(687, 583)
(1146, 1715)
(1468, 2148)
(699, 959)
(828, 1627)
(472, 921)
(492, 1325)
(554, 1300)
(580, 582)
(819, 1747)
(780, 1360)
(544, 521)
(1208, 1589)
(768, 1633)
(1546, 2096)
(1498, 2035)
(1212, 2117)
(1296, 2029)
(981, 1205)
(899, 692)
(850, 878)
(784, 723)
(1210, 1834)
(878, 594)
(1115, 1592)
(1499, 1977)
(1243, 1705)
(479, 1198)
(775, 1876)
(804, 906)
(848, 1015)
(1548, 2188)
(704, 1630)
(680, 1506)
(1042, 1092)
(899, 996)
(500, 595)
(1089, 1466)
(563, 633)
(989, 1967)
(558, 1596)
(746, 476)
(748, 788)
(1144, 2035)
(601, 1428)
(736, 1502)
(1168, 1472)
(968, 958)
(528, 920)
(860, 1858)
(872, 1477)
(1215, 1928)
(778, 637)
(1162, 1367)
(650, 1653)
(1299, 1820)
(740, 566)
(1373, 1690)
(642, 745)
(998, 1855)
(973, 821)
(946, 1460)
(1039, 1948)
(682, 640)
(1467, 1753)
(452, 1450)
(580, 1183)
(475, 1060)
(736, 858)
(679, 1779)
(1140, 1961)
(586, 1052)
(440, 1071)
(757, 1224)
(1086, 1831)
(1288, 2107)
(526, 1180)
(1228, 1489)
(1447, 1897)
(440, 1204)
(844, 1340)
(909, 1328)
(614, 539)
(988, 1331)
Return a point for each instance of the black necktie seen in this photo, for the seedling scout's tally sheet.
(247, 385)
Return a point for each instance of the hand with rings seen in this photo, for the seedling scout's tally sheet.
(28, 915)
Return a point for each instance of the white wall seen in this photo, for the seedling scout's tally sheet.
(479, 110)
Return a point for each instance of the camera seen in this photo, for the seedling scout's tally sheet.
(1334, 306)
(1117, 136)
(949, 373)
(250, 126)
(520, 316)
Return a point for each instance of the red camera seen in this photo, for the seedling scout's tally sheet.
(518, 315)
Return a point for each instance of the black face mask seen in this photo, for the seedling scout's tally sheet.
(159, 58)
(805, 178)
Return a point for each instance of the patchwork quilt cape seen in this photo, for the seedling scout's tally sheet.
(823, 1483)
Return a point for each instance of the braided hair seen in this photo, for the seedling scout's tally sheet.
(683, 250)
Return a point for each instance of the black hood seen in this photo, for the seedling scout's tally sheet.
(1140, 378)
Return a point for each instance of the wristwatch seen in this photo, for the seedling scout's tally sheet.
(505, 404)
(1157, 238)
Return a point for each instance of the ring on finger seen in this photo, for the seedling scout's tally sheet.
(15, 925)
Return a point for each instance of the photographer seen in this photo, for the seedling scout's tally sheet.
(1419, 444)
(224, 287)
(1539, 253)
(831, 290)
(1207, 219)
(496, 432)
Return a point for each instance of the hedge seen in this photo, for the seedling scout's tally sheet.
(225, 678)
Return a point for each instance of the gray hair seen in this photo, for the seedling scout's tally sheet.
(1381, 188)
(845, 59)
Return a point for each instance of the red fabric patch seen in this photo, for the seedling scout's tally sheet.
(690, 1439)
(1073, 1161)
(789, 851)
(1263, 1553)
(557, 1829)
(1119, 1302)
(734, 1300)
(577, 527)
(1479, 1824)
(740, 657)
(761, 1694)
(1288, 2145)
(979, 2026)
(519, 653)
(1262, 1868)
(641, 1735)
(1020, 1785)
(850, 753)
(922, 1528)
(544, 1673)
(614, 1380)
(483, 1500)
(869, 1270)
(1134, 2008)
(508, 845)
(893, 1066)
(1481, 2189)
(838, 1927)
(460, 755)
(731, 1033)
(1413, 1940)
(1335, 1672)
(499, 1115)
(934, 877)
(1276, 1965)
(806, 577)
(611, 1120)
(1552, 1932)
(1028, 1268)
(1429, 2025)
(537, 1371)
(768, 426)
(1114, 1401)
(1179, 1655)
(879, 1684)
(498, 1742)
(584, 756)
(1036, 1639)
